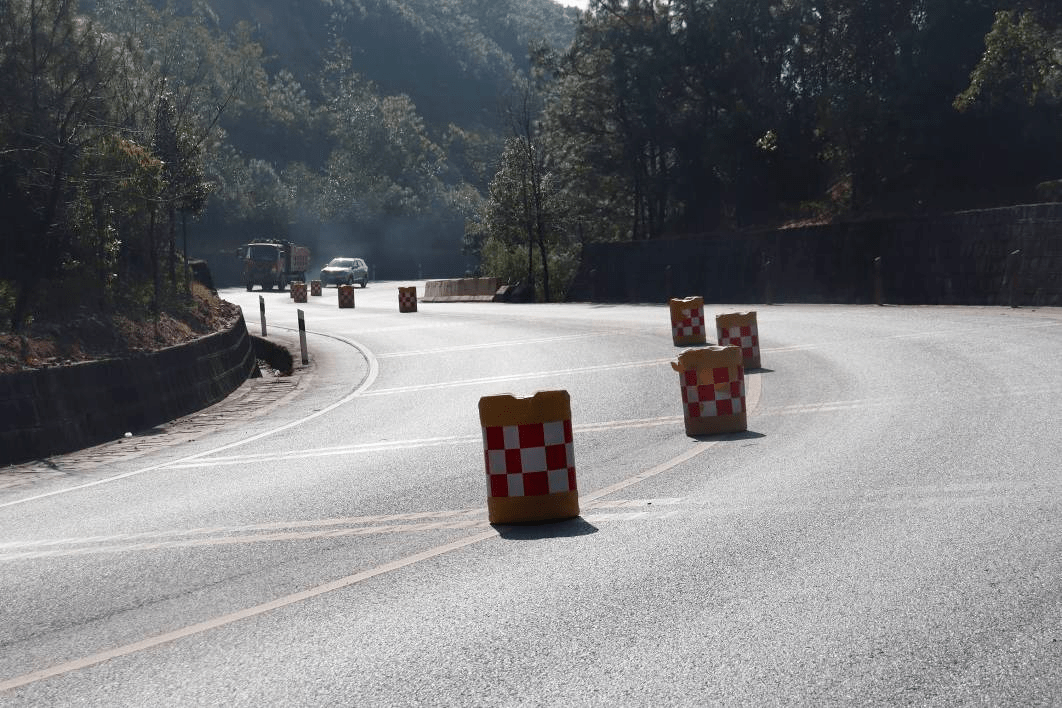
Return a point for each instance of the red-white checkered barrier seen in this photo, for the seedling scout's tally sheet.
(529, 460)
(298, 291)
(710, 393)
(692, 323)
(315, 288)
(687, 321)
(713, 390)
(739, 329)
(529, 457)
(345, 296)
(407, 299)
(745, 338)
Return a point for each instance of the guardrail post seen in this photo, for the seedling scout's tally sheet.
(1010, 275)
(768, 294)
(261, 310)
(879, 286)
(302, 336)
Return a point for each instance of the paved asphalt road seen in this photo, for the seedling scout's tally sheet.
(889, 530)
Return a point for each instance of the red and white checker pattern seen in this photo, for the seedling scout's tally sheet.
(703, 397)
(746, 338)
(692, 323)
(315, 288)
(407, 301)
(529, 460)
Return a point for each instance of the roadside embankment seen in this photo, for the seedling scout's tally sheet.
(54, 410)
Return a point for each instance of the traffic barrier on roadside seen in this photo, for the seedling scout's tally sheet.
(687, 321)
(346, 295)
(713, 390)
(530, 457)
(298, 291)
(461, 290)
(739, 330)
(315, 288)
(407, 299)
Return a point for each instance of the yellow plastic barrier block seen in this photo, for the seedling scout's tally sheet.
(739, 330)
(346, 296)
(712, 381)
(530, 457)
(687, 321)
(298, 291)
(407, 299)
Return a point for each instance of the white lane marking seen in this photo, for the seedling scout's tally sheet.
(495, 345)
(223, 620)
(389, 445)
(245, 539)
(370, 378)
(281, 530)
(516, 377)
(251, 528)
(906, 335)
(752, 400)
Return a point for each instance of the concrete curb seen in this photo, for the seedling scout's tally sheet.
(52, 411)
(461, 290)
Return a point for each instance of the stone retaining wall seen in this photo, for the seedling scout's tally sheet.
(56, 410)
(963, 258)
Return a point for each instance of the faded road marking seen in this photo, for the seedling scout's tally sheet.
(288, 531)
(517, 377)
(755, 388)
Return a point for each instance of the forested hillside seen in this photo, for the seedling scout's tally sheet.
(682, 117)
(431, 137)
(358, 127)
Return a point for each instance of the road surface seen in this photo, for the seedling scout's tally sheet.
(888, 531)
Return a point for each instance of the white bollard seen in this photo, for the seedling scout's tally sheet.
(302, 337)
(261, 309)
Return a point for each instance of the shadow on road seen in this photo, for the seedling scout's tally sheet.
(546, 529)
(743, 435)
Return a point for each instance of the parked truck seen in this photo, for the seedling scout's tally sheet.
(273, 262)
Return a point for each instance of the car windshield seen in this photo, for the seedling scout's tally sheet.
(262, 253)
(341, 263)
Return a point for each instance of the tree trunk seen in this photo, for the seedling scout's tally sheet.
(171, 232)
(27, 288)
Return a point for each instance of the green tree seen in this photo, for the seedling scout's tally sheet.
(1022, 59)
(58, 78)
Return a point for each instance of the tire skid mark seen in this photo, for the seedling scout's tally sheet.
(616, 510)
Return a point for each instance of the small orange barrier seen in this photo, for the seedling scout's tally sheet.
(713, 390)
(687, 321)
(407, 299)
(315, 288)
(346, 296)
(529, 457)
(298, 291)
(739, 330)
